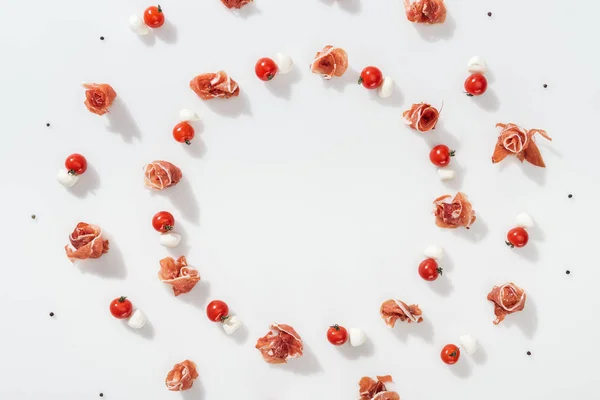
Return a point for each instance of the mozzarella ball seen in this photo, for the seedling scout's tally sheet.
(357, 337)
(170, 239)
(138, 26)
(469, 344)
(231, 324)
(386, 88)
(446, 174)
(66, 179)
(435, 252)
(525, 220)
(137, 320)
(477, 65)
(188, 115)
(284, 63)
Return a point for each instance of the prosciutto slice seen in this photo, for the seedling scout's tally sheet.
(425, 11)
(421, 117)
(280, 344)
(235, 3)
(159, 175)
(370, 389)
(177, 274)
(519, 142)
(330, 62)
(454, 212)
(87, 241)
(210, 85)
(507, 299)
(99, 97)
(393, 309)
(182, 376)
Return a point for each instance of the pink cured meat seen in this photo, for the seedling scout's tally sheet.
(235, 3)
(507, 299)
(159, 175)
(393, 309)
(211, 85)
(280, 344)
(182, 376)
(425, 11)
(370, 389)
(178, 274)
(87, 241)
(454, 212)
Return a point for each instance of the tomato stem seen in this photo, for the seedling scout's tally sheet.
(270, 76)
(223, 319)
(188, 142)
(469, 94)
(72, 172)
(452, 153)
(453, 354)
(167, 227)
(336, 327)
(360, 80)
(122, 299)
(509, 244)
(159, 9)
(439, 270)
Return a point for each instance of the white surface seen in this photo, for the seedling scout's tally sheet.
(303, 201)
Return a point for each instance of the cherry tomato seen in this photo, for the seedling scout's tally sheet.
(121, 308)
(183, 132)
(450, 354)
(76, 164)
(429, 269)
(371, 78)
(440, 155)
(337, 335)
(154, 17)
(517, 237)
(163, 221)
(475, 85)
(217, 311)
(265, 69)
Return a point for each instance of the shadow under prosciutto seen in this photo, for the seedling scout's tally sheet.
(121, 121)
(435, 32)
(424, 330)
(350, 6)
(307, 364)
(109, 265)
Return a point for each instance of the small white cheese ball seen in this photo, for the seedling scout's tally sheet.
(231, 324)
(188, 115)
(170, 239)
(66, 179)
(386, 88)
(469, 344)
(357, 337)
(435, 252)
(284, 63)
(446, 174)
(138, 26)
(525, 220)
(137, 320)
(477, 65)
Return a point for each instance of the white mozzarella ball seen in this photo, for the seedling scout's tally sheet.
(386, 88)
(357, 337)
(469, 344)
(446, 174)
(231, 324)
(284, 63)
(477, 65)
(525, 220)
(138, 26)
(170, 239)
(188, 115)
(137, 320)
(435, 252)
(66, 179)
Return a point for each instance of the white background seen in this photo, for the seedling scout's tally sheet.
(303, 201)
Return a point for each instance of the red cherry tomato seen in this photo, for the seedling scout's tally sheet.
(265, 69)
(450, 354)
(440, 155)
(163, 221)
(121, 308)
(154, 17)
(217, 311)
(429, 269)
(337, 335)
(76, 164)
(183, 132)
(371, 78)
(517, 237)
(475, 85)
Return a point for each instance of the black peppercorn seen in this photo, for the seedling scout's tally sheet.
(51, 314)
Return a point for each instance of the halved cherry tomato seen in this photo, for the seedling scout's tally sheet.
(517, 237)
(76, 164)
(217, 311)
(429, 269)
(440, 155)
(475, 85)
(371, 78)
(337, 335)
(163, 221)
(183, 132)
(450, 354)
(265, 69)
(121, 308)
(154, 17)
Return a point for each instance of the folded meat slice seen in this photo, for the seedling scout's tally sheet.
(159, 175)
(421, 117)
(178, 274)
(425, 11)
(329, 62)
(235, 3)
(370, 389)
(280, 344)
(454, 212)
(507, 299)
(210, 85)
(87, 241)
(182, 376)
(393, 309)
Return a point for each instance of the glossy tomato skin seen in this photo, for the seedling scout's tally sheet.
(121, 308)
(476, 85)
(154, 17)
(450, 354)
(163, 221)
(337, 335)
(217, 311)
(440, 155)
(265, 69)
(429, 269)
(76, 164)
(371, 77)
(517, 237)
(183, 132)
